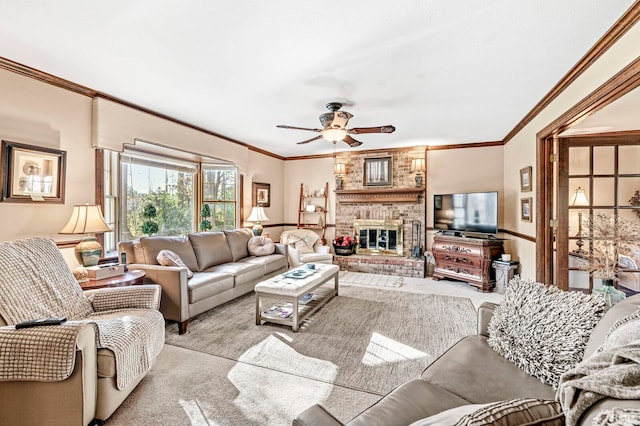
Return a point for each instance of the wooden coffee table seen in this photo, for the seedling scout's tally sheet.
(280, 288)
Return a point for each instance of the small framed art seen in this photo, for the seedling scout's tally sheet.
(525, 209)
(525, 179)
(261, 194)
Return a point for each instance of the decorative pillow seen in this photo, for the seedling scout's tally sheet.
(261, 246)
(169, 258)
(543, 330)
(518, 411)
(448, 417)
(302, 247)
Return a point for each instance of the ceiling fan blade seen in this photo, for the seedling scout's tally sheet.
(310, 140)
(351, 141)
(379, 129)
(282, 126)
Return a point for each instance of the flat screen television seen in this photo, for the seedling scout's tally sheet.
(466, 213)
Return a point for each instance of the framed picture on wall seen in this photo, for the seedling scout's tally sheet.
(32, 173)
(525, 179)
(378, 171)
(525, 209)
(261, 194)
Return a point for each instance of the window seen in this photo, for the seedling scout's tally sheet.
(165, 183)
(219, 191)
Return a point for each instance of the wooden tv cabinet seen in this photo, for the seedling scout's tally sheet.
(466, 259)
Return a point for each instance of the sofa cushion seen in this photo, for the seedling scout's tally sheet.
(617, 311)
(407, 403)
(106, 363)
(207, 284)
(271, 263)
(180, 245)
(169, 258)
(211, 248)
(543, 329)
(317, 258)
(238, 240)
(242, 272)
(261, 246)
(474, 371)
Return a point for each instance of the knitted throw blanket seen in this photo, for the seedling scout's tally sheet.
(613, 371)
(35, 282)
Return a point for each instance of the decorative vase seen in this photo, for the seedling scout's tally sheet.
(609, 293)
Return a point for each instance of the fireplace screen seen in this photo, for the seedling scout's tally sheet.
(379, 237)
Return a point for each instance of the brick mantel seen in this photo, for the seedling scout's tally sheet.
(380, 195)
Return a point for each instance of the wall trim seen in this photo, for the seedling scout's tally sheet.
(622, 25)
(518, 235)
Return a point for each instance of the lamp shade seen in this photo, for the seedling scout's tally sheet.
(334, 135)
(257, 215)
(579, 198)
(418, 165)
(87, 219)
(340, 169)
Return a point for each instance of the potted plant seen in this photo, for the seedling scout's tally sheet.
(610, 236)
(205, 214)
(150, 226)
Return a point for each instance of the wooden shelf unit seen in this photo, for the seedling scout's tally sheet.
(305, 216)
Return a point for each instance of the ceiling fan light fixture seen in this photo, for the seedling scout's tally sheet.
(334, 135)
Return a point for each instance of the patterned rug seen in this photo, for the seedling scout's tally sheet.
(376, 280)
(366, 338)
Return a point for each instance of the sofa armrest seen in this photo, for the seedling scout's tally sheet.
(174, 303)
(485, 312)
(316, 415)
(140, 296)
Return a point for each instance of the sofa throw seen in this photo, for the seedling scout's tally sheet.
(612, 371)
(542, 329)
(618, 416)
(170, 258)
(261, 246)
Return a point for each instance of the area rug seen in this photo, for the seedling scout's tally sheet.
(366, 339)
(376, 280)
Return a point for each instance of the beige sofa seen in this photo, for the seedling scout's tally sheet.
(470, 372)
(61, 374)
(221, 264)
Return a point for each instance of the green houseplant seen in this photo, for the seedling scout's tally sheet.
(149, 226)
(205, 214)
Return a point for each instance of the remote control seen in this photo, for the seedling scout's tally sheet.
(40, 321)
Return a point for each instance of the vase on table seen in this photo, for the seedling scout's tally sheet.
(609, 293)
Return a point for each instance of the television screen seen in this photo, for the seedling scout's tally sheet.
(475, 212)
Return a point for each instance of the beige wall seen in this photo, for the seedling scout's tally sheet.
(521, 150)
(465, 170)
(265, 169)
(40, 114)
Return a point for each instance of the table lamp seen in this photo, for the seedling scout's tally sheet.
(418, 165)
(87, 219)
(579, 199)
(257, 215)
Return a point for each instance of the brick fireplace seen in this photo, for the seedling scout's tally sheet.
(382, 217)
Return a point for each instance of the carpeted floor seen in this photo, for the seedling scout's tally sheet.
(228, 371)
(361, 278)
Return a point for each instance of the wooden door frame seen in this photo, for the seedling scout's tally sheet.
(617, 86)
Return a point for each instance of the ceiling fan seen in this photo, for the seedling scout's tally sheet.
(334, 127)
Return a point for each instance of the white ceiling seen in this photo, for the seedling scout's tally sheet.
(441, 72)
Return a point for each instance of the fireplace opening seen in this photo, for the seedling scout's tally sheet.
(379, 237)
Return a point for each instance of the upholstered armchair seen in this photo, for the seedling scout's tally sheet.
(84, 368)
(305, 246)
(630, 261)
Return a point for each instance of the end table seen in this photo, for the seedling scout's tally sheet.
(132, 277)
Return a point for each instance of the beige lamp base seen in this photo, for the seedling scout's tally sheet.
(88, 251)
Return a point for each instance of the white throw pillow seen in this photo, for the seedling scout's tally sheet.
(261, 246)
(170, 258)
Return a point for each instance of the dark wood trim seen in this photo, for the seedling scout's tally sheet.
(544, 197)
(464, 145)
(267, 153)
(626, 21)
(99, 185)
(518, 234)
(26, 71)
(67, 243)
